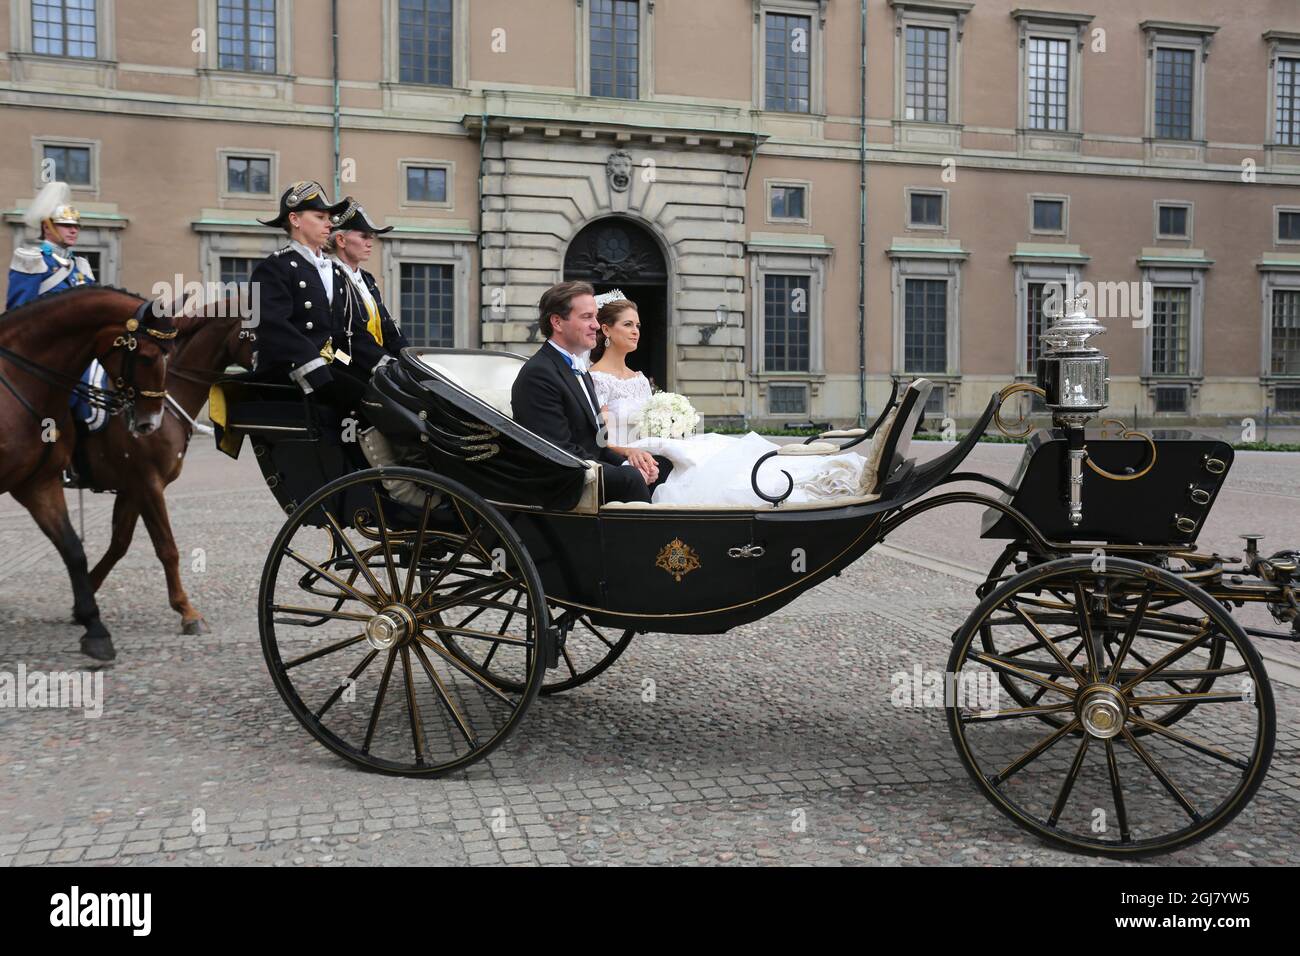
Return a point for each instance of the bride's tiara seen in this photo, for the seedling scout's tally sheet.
(605, 298)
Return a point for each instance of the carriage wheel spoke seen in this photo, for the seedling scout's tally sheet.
(452, 562)
(1038, 694)
(1047, 643)
(1194, 697)
(343, 684)
(368, 601)
(379, 701)
(323, 613)
(362, 566)
(1160, 775)
(382, 526)
(573, 671)
(1178, 652)
(998, 663)
(463, 668)
(480, 635)
(417, 551)
(599, 636)
(444, 695)
(1033, 753)
(1164, 680)
(1135, 622)
(1191, 743)
(1067, 784)
(1084, 613)
(986, 716)
(1117, 792)
(1034, 645)
(322, 651)
(483, 606)
(413, 707)
(463, 597)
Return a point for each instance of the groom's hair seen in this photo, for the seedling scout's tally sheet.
(557, 300)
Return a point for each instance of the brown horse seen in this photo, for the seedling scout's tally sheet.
(44, 347)
(139, 470)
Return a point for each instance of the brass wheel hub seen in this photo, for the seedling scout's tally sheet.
(1102, 710)
(391, 627)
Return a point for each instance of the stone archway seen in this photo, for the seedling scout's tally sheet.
(619, 253)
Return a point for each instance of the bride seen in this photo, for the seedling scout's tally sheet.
(709, 468)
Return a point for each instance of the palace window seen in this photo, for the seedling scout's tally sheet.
(64, 27)
(1175, 78)
(788, 72)
(1285, 332)
(925, 210)
(925, 326)
(248, 175)
(69, 164)
(787, 202)
(1288, 225)
(1286, 103)
(786, 323)
(1047, 215)
(1171, 325)
(615, 48)
(237, 270)
(246, 35)
(926, 74)
(1173, 220)
(428, 303)
(1047, 62)
(425, 41)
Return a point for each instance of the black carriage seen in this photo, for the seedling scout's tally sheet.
(1100, 694)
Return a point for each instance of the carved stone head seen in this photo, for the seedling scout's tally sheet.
(618, 167)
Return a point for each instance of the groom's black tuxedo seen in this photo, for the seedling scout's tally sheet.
(547, 399)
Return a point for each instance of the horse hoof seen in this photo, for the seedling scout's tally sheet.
(196, 626)
(100, 648)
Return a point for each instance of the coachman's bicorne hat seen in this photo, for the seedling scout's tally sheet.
(354, 218)
(301, 197)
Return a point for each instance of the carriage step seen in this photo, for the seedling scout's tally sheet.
(557, 645)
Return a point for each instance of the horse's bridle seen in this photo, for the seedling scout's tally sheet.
(115, 400)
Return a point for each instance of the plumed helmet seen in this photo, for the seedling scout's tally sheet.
(53, 204)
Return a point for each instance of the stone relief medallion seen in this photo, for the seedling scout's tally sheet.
(677, 558)
(618, 167)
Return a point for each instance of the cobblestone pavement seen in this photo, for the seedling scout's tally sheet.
(775, 743)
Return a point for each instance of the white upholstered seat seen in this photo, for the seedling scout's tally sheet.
(489, 376)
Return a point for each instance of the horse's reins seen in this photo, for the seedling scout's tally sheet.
(113, 400)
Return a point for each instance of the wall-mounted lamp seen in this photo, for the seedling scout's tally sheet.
(722, 314)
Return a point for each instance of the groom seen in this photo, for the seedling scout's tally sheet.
(554, 396)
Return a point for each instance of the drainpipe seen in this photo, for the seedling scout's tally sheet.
(334, 42)
(482, 163)
(862, 225)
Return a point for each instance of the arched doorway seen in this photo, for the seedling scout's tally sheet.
(618, 253)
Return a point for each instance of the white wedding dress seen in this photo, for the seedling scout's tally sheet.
(713, 469)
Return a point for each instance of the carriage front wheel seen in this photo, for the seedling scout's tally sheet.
(366, 587)
(1092, 782)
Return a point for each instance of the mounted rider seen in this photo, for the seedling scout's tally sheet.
(50, 266)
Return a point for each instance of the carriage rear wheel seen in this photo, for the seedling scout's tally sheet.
(1144, 648)
(366, 587)
(1090, 783)
(586, 650)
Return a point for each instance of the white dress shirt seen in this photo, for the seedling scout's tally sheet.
(579, 365)
(324, 266)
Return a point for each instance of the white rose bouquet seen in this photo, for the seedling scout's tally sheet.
(668, 415)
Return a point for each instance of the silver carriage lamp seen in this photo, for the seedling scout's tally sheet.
(1075, 379)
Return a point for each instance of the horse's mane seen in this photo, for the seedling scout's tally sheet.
(80, 290)
(187, 323)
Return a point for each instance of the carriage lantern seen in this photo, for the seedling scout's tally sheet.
(1075, 379)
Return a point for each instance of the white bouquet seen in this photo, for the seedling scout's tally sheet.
(668, 415)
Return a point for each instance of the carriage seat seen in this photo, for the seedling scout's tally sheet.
(488, 376)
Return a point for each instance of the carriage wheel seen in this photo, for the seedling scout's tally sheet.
(360, 597)
(1091, 783)
(586, 650)
(1143, 650)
